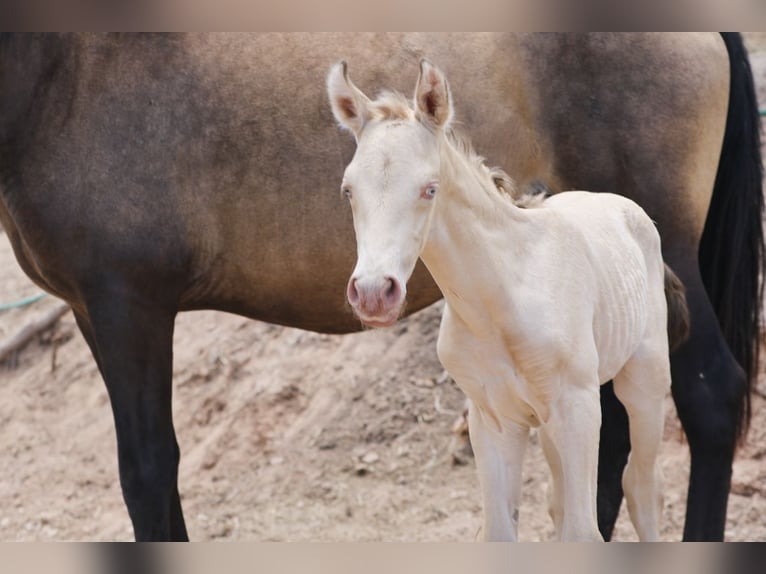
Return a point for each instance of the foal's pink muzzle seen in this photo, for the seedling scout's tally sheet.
(377, 301)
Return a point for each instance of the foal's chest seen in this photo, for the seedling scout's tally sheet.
(505, 381)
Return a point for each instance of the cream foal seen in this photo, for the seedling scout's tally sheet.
(543, 304)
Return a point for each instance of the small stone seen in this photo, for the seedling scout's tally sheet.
(422, 382)
(370, 458)
(426, 417)
(443, 378)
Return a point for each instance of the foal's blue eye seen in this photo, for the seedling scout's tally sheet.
(430, 191)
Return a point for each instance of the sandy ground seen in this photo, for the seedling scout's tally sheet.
(287, 435)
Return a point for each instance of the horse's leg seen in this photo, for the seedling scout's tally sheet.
(708, 386)
(573, 428)
(641, 386)
(499, 453)
(132, 343)
(614, 446)
(556, 484)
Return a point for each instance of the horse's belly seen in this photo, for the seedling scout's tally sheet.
(620, 321)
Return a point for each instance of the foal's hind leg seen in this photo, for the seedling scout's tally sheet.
(641, 386)
(132, 343)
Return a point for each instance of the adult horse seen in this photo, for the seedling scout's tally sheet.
(145, 175)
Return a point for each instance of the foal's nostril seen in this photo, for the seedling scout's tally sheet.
(393, 290)
(351, 292)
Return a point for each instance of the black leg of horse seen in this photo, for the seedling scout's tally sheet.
(614, 447)
(132, 343)
(708, 386)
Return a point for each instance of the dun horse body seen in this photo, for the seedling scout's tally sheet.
(543, 305)
(143, 175)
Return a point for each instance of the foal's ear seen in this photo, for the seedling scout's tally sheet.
(349, 105)
(433, 100)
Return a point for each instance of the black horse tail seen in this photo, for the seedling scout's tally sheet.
(731, 251)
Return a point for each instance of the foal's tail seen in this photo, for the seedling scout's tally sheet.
(731, 252)
(678, 312)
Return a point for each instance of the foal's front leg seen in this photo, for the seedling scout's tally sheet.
(556, 483)
(499, 448)
(573, 432)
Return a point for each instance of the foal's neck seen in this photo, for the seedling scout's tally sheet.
(478, 240)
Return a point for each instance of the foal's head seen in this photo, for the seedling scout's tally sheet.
(392, 184)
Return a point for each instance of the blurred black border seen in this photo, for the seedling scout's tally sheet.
(371, 558)
(400, 15)
(300, 15)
